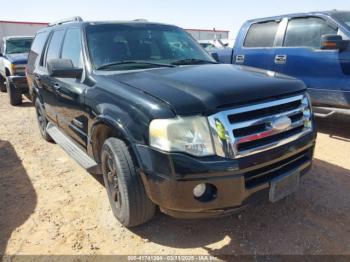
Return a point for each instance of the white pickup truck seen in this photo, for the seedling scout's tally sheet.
(15, 42)
(13, 60)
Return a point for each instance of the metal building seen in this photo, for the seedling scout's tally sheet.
(205, 34)
(14, 28)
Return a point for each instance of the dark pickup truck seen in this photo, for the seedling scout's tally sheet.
(145, 106)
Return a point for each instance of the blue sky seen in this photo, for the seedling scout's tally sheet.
(206, 14)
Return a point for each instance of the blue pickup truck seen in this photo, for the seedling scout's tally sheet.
(313, 47)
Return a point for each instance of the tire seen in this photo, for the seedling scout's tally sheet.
(2, 84)
(42, 120)
(15, 94)
(126, 193)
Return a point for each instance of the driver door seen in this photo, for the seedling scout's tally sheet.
(69, 92)
(303, 58)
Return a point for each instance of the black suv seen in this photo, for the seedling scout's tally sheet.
(143, 104)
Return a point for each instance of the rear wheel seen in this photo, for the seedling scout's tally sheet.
(42, 120)
(14, 93)
(127, 196)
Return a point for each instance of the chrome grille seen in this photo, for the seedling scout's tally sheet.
(256, 128)
(20, 70)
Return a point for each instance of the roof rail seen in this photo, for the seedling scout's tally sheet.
(68, 20)
(140, 20)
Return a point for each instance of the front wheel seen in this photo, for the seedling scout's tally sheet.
(14, 93)
(127, 196)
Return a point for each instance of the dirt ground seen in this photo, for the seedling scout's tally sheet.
(50, 205)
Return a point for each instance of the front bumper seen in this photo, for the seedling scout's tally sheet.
(169, 179)
(19, 82)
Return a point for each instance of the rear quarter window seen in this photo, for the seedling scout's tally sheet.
(261, 34)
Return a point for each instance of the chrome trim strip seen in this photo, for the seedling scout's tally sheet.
(245, 109)
(273, 145)
(267, 133)
(267, 118)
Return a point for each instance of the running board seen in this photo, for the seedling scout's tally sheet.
(324, 112)
(72, 149)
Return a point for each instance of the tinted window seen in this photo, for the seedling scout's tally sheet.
(261, 34)
(39, 42)
(55, 45)
(71, 47)
(37, 48)
(307, 32)
(15, 46)
(151, 43)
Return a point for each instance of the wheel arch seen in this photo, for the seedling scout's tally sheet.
(7, 71)
(104, 128)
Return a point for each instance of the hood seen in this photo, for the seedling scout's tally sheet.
(20, 58)
(197, 89)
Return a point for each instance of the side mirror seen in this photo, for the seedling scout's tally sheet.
(333, 42)
(63, 68)
(1, 55)
(215, 56)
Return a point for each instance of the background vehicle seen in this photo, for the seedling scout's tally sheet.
(220, 49)
(210, 45)
(313, 47)
(143, 104)
(13, 60)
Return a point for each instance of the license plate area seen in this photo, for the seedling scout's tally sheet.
(284, 185)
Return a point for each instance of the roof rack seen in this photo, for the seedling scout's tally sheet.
(140, 20)
(68, 20)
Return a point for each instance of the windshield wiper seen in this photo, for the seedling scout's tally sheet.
(105, 66)
(192, 61)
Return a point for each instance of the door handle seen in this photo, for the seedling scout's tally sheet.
(240, 59)
(280, 59)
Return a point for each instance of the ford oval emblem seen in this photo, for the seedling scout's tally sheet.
(281, 123)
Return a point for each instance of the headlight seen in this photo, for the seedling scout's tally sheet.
(189, 135)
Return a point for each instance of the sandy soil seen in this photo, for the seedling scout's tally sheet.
(50, 205)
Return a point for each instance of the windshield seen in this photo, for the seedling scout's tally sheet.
(343, 18)
(15, 46)
(137, 46)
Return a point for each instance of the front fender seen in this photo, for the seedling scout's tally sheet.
(7, 65)
(132, 123)
(123, 125)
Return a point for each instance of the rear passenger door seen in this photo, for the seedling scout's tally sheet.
(304, 59)
(35, 66)
(256, 48)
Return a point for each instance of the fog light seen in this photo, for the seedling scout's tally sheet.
(199, 190)
(205, 192)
